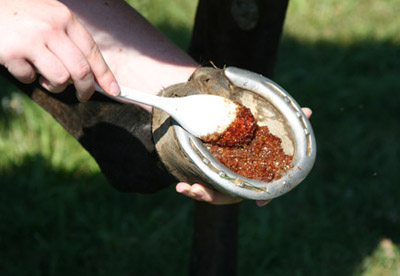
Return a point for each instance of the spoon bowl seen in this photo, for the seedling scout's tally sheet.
(204, 116)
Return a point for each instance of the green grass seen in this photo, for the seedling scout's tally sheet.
(175, 18)
(58, 216)
(385, 260)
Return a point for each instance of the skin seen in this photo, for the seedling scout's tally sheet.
(43, 36)
(86, 41)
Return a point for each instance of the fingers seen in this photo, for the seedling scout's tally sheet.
(83, 61)
(95, 61)
(202, 193)
(307, 111)
(56, 45)
(51, 87)
(79, 61)
(22, 70)
(54, 75)
(261, 203)
(76, 64)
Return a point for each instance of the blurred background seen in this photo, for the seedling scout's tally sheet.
(58, 215)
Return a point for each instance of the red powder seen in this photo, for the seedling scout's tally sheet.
(239, 132)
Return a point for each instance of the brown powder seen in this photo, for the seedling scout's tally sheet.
(262, 159)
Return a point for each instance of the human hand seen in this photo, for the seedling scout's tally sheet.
(44, 36)
(202, 193)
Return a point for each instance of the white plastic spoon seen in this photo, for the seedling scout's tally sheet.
(201, 115)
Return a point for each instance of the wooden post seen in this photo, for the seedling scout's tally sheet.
(241, 33)
(214, 244)
(245, 34)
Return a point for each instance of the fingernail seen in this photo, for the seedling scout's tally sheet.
(261, 203)
(308, 109)
(114, 88)
(182, 188)
(179, 188)
(81, 98)
(200, 194)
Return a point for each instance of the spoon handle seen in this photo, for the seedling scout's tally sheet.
(130, 95)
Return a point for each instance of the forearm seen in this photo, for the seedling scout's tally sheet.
(139, 56)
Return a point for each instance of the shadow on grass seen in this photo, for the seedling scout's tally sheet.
(54, 222)
(57, 223)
